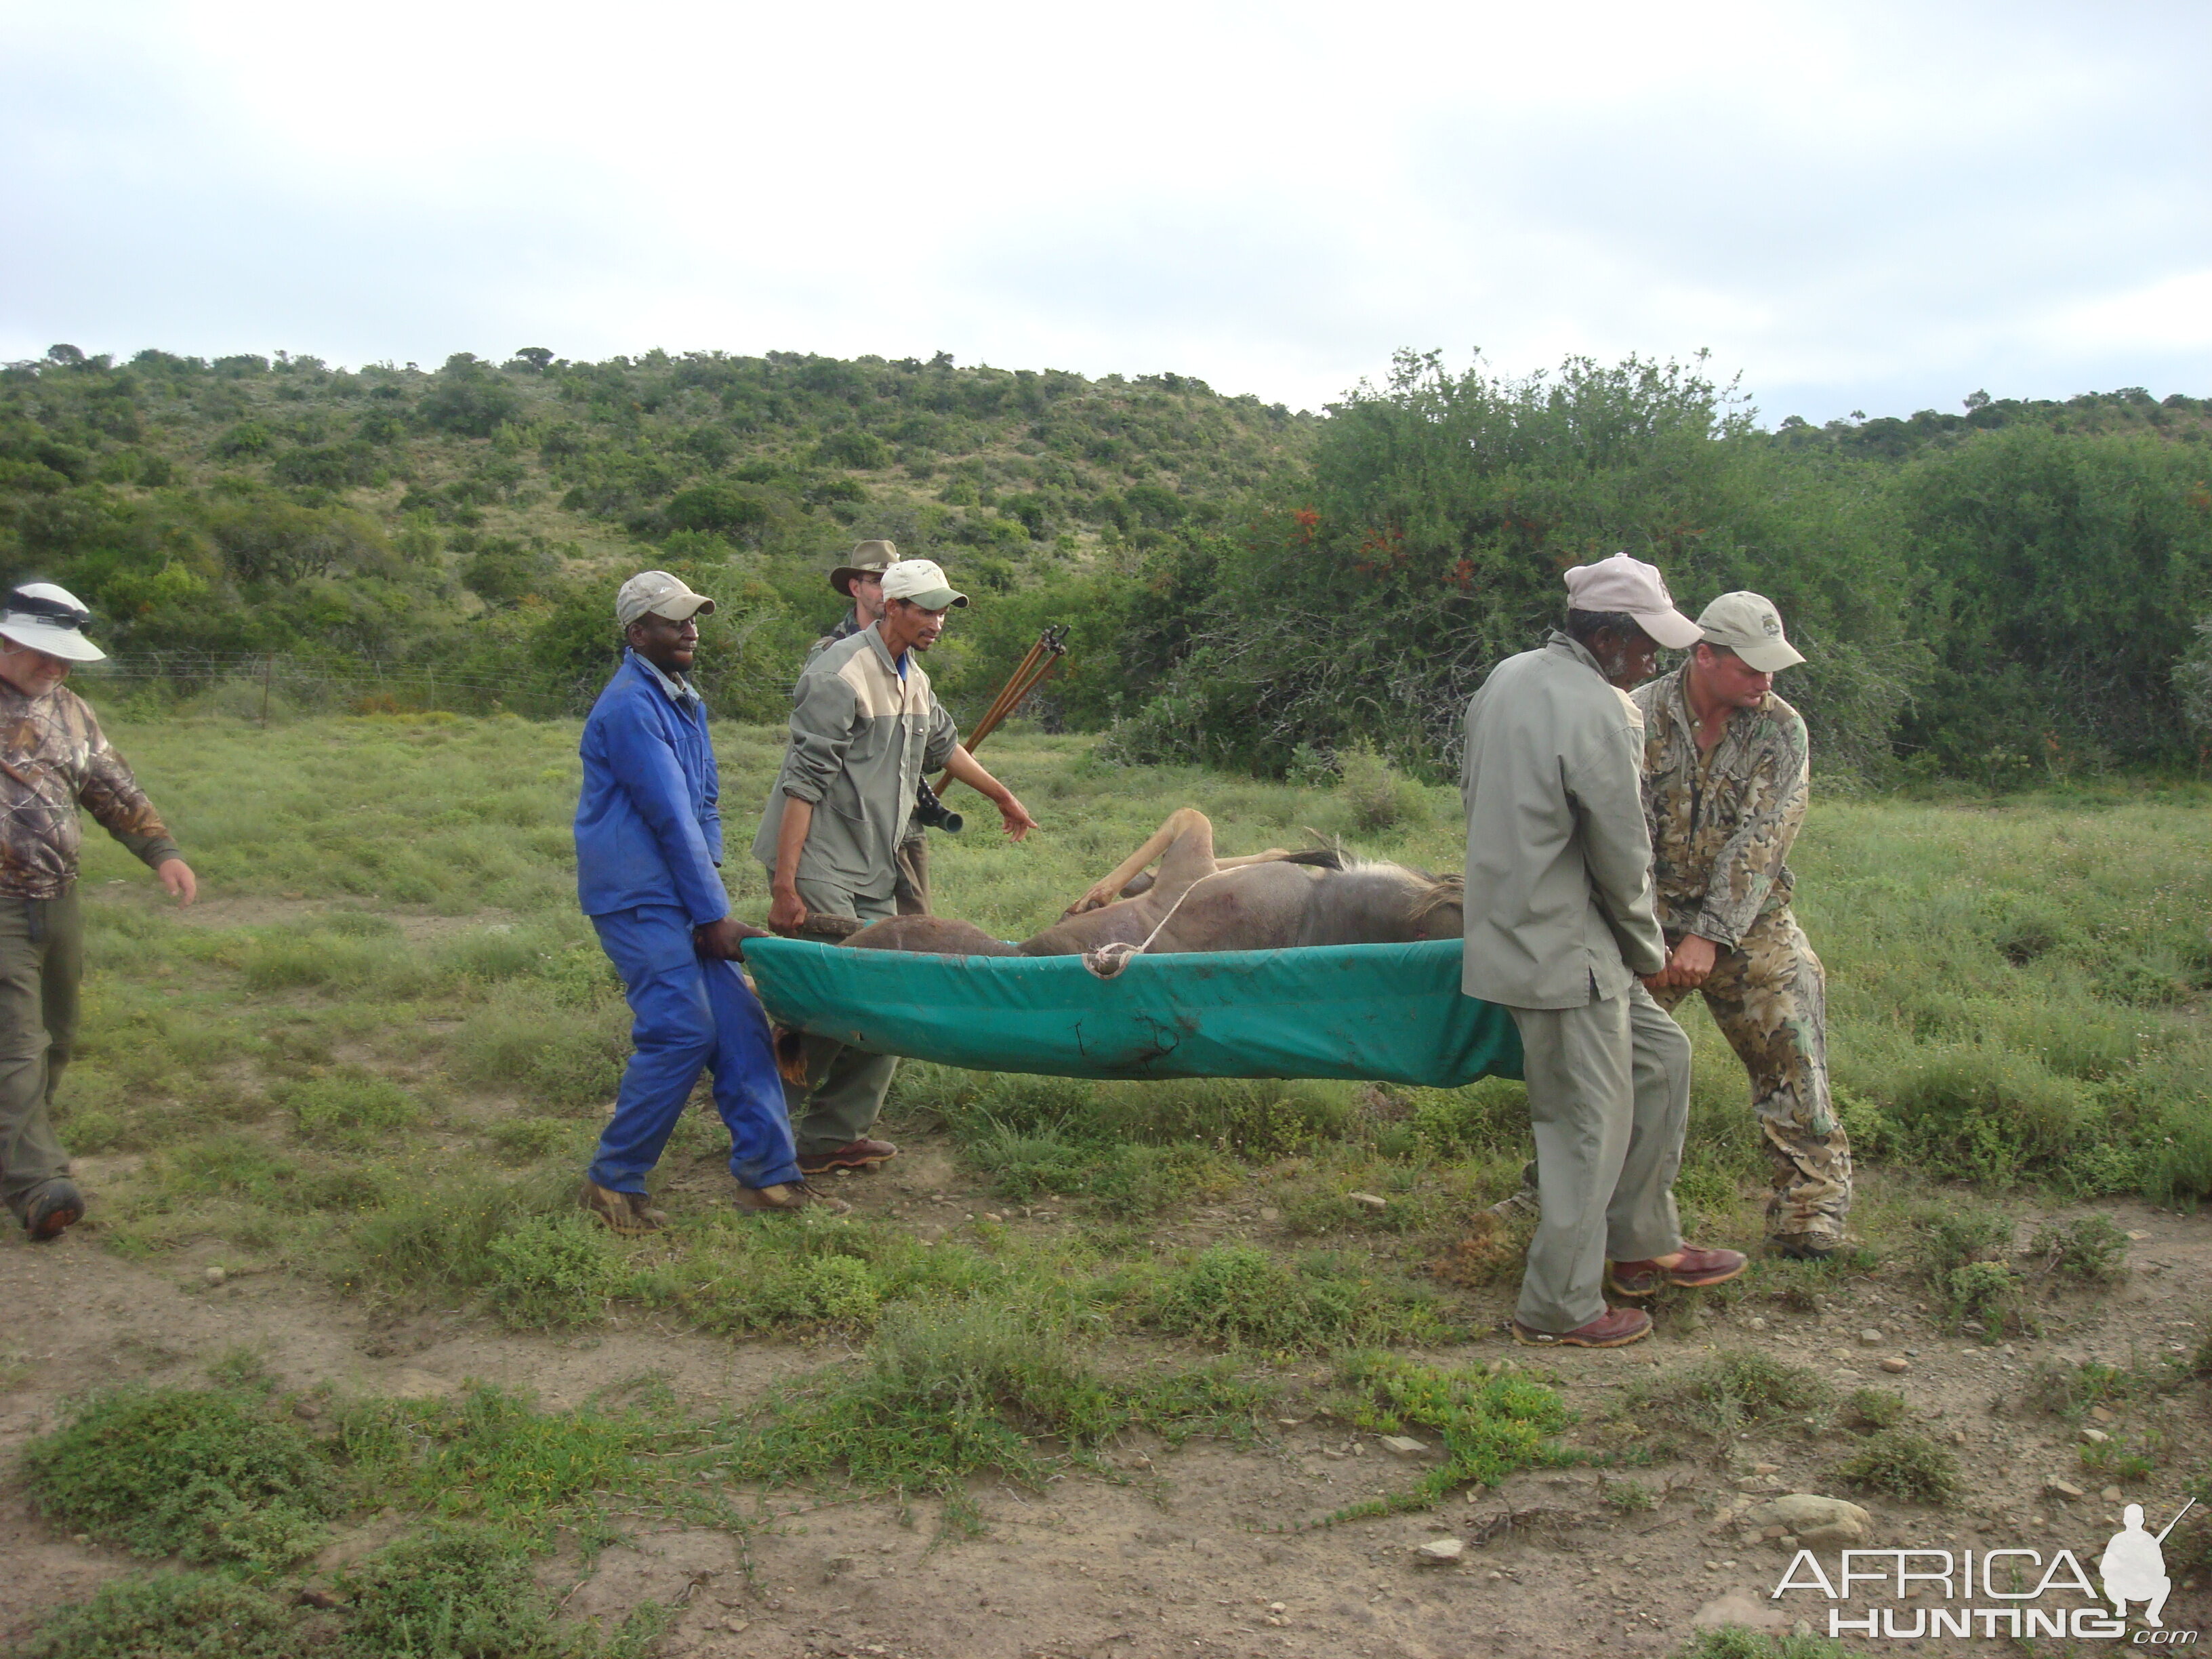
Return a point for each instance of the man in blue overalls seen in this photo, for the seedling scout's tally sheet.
(648, 840)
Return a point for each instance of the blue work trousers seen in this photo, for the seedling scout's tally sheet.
(693, 1013)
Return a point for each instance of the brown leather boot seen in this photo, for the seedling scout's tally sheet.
(1696, 1269)
(1616, 1328)
(789, 1199)
(627, 1213)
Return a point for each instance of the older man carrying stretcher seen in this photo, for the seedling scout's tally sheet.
(1560, 926)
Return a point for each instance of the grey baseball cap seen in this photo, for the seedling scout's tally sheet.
(655, 592)
(1749, 625)
(1631, 587)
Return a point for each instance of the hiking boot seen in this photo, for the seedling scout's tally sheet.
(52, 1210)
(789, 1199)
(1616, 1328)
(1805, 1247)
(627, 1213)
(861, 1154)
(1697, 1269)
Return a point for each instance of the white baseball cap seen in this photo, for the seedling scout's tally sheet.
(918, 581)
(1637, 589)
(48, 618)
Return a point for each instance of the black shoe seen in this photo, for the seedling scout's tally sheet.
(53, 1209)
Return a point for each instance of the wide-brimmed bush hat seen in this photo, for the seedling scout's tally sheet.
(49, 619)
(868, 559)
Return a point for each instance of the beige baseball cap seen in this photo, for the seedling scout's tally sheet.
(655, 592)
(918, 581)
(1632, 586)
(1749, 625)
(869, 559)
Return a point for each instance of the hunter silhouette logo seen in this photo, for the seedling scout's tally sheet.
(2008, 1592)
(2133, 1566)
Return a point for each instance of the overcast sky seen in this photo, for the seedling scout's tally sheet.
(1871, 206)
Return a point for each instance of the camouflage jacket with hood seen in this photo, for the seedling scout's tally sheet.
(1722, 821)
(54, 759)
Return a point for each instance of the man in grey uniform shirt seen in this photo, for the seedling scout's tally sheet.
(1560, 926)
(865, 726)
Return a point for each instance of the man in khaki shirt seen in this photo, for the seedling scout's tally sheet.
(1724, 789)
(1560, 927)
(865, 728)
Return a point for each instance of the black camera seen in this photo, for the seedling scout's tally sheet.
(933, 813)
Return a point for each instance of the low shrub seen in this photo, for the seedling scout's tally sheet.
(2092, 1250)
(1721, 1397)
(175, 1615)
(209, 1475)
(553, 1270)
(1898, 1464)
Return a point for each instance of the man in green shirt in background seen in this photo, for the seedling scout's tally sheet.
(1725, 785)
(865, 728)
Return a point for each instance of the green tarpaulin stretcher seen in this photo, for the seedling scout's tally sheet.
(1385, 1013)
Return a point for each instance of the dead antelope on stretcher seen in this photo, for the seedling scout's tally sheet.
(1196, 901)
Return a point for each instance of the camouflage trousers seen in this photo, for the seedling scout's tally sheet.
(1770, 997)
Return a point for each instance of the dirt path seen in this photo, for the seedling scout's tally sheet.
(1181, 1557)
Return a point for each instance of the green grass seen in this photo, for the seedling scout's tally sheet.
(209, 1475)
(981, 1386)
(379, 1055)
(1491, 1425)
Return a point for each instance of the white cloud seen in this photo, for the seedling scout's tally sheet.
(1881, 210)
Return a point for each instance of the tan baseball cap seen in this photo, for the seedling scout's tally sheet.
(918, 581)
(1623, 584)
(655, 592)
(868, 559)
(1749, 625)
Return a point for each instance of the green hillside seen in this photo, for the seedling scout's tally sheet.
(471, 519)
(2008, 593)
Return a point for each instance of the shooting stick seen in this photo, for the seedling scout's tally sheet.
(1034, 669)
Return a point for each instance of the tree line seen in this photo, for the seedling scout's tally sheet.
(2000, 593)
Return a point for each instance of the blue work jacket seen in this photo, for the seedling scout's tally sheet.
(647, 827)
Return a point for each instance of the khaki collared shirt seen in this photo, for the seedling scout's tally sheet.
(861, 738)
(1721, 822)
(1559, 860)
(53, 759)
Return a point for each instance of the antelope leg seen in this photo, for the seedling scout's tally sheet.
(1179, 826)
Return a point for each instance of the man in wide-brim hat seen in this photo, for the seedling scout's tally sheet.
(861, 581)
(53, 760)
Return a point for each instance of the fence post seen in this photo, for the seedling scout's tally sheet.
(268, 667)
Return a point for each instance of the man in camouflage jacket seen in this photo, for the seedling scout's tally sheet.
(1724, 790)
(862, 582)
(54, 759)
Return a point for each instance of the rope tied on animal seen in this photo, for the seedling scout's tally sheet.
(1106, 961)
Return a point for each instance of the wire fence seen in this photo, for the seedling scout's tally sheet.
(262, 684)
(275, 684)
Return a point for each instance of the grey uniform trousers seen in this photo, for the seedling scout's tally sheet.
(1609, 1100)
(41, 962)
(845, 1087)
